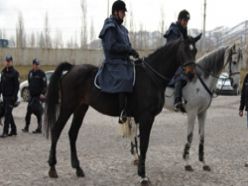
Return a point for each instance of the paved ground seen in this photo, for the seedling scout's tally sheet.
(106, 160)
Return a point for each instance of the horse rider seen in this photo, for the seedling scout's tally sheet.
(9, 87)
(179, 30)
(37, 83)
(116, 74)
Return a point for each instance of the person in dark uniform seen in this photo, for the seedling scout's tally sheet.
(179, 30)
(37, 84)
(116, 74)
(244, 98)
(9, 87)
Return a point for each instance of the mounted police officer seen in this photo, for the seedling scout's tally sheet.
(9, 87)
(116, 74)
(179, 30)
(37, 84)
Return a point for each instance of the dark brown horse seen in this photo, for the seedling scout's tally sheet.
(76, 92)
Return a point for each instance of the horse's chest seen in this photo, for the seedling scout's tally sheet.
(158, 104)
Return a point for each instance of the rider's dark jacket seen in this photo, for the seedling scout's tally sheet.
(244, 95)
(116, 73)
(175, 31)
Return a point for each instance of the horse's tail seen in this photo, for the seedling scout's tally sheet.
(52, 99)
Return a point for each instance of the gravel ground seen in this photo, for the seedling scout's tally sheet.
(105, 155)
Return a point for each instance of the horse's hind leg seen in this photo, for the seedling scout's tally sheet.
(134, 141)
(73, 134)
(55, 133)
(201, 121)
(190, 130)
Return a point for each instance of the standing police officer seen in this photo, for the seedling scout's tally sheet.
(37, 84)
(9, 87)
(116, 74)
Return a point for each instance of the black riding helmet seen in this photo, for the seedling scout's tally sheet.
(118, 5)
(8, 58)
(36, 61)
(184, 14)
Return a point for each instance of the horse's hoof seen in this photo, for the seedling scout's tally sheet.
(246, 164)
(53, 173)
(189, 168)
(206, 168)
(135, 162)
(80, 172)
(145, 182)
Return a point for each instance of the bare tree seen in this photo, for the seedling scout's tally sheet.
(47, 37)
(32, 40)
(20, 32)
(92, 30)
(70, 43)
(161, 39)
(2, 34)
(75, 42)
(84, 24)
(41, 43)
(132, 33)
(58, 42)
(143, 38)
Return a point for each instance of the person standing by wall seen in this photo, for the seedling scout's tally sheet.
(9, 87)
(37, 84)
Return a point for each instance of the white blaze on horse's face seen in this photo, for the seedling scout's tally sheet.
(191, 47)
(234, 57)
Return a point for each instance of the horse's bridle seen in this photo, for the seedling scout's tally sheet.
(230, 73)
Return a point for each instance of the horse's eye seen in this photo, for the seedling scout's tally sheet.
(191, 47)
(234, 62)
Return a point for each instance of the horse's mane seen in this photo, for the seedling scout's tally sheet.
(163, 51)
(213, 61)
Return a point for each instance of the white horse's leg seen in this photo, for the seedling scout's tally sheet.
(201, 121)
(190, 130)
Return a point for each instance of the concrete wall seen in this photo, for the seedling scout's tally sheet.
(55, 56)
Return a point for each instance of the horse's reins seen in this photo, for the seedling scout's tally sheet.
(159, 75)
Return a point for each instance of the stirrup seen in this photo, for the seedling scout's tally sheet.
(123, 117)
(179, 107)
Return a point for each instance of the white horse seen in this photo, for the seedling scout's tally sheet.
(198, 94)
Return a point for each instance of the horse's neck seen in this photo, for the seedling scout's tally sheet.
(165, 64)
(211, 81)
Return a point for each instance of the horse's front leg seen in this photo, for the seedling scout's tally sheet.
(145, 129)
(190, 130)
(201, 121)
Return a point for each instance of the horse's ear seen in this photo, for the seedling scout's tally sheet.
(197, 37)
(234, 47)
